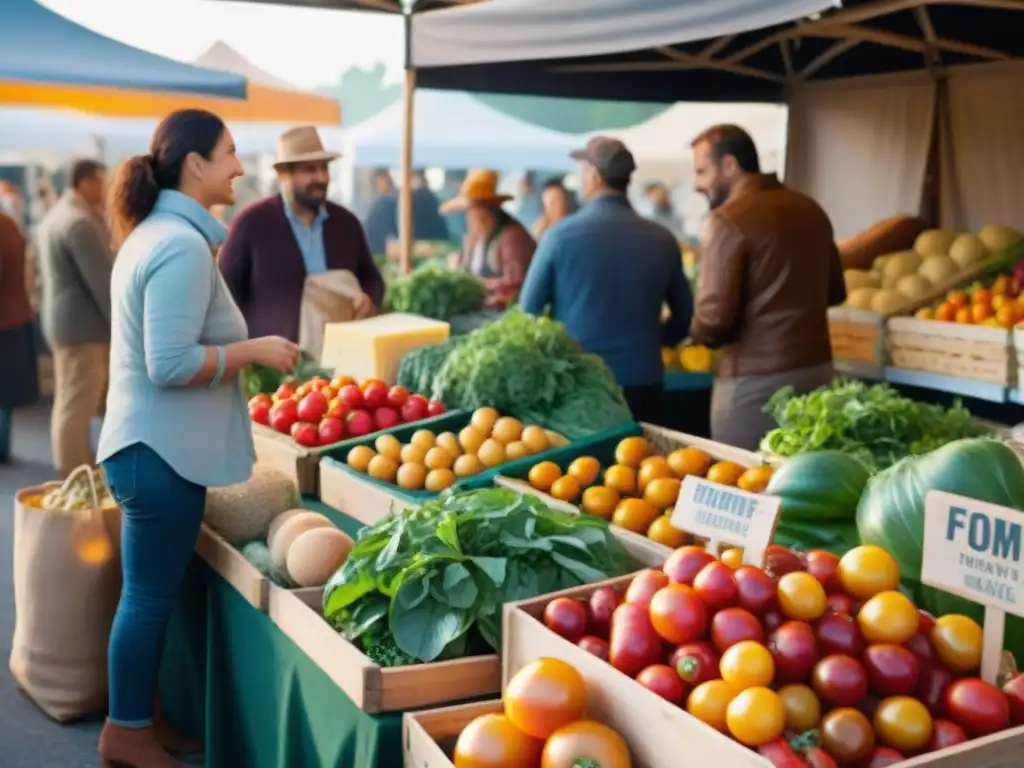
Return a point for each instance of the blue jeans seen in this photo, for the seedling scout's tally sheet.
(5, 434)
(160, 517)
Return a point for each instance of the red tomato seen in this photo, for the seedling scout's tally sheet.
(305, 434)
(795, 651)
(414, 410)
(839, 633)
(685, 563)
(695, 663)
(847, 735)
(397, 396)
(664, 681)
(945, 734)
(312, 407)
(595, 646)
(931, 687)
(283, 415)
(816, 757)
(336, 408)
(368, 382)
(824, 566)
(755, 589)
(643, 586)
(435, 408)
(883, 758)
(840, 680)
(331, 430)
(922, 648)
(386, 417)
(284, 392)
(925, 622)
(772, 618)
(351, 396)
(341, 381)
(1014, 690)
(841, 603)
(634, 644)
(602, 604)
(778, 561)
(892, 670)
(260, 414)
(261, 399)
(978, 707)
(567, 617)
(375, 395)
(716, 585)
(780, 754)
(733, 625)
(359, 423)
(678, 614)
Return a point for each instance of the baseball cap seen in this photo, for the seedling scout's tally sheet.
(609, 156)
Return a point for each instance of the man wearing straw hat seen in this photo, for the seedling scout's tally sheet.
(275, 243)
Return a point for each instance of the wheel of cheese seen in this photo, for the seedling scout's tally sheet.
(290, 530)
(280, 520)
(316, 554)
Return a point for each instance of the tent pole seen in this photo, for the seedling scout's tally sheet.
(405, 227)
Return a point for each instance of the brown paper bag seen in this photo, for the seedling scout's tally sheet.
(67, 581)
(326, 298)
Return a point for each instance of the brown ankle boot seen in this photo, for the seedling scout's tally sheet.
(169, 738)
(132, 748)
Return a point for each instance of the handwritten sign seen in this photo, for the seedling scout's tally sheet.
(973, 549)
(726, 515)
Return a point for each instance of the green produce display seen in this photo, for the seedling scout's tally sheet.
(874, 423)
(260, 378)
(820, 492)
(429, 583)
(419, 367)
(434, 291)
(891, 513)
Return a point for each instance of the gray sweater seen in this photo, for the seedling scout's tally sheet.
(75, 262)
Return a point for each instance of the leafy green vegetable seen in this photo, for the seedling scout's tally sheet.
(260, 378)
(437, 292)
(874, 423)
(434, 579)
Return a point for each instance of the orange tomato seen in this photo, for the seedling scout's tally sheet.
(689, 461)
(631, 451)
(545, 695)
(1000, 286)
(709, 701)
(663, 532)
(542, 476)
(957, 298)
(725, 472)
(1006, 317)
(755, 479)
(662, 492)
(585, 469)
(585, 743)
(620, 479)
(980, 313)
(565, 488)
(493, 741)
(600, 501)
(635, 515)
(946, 312)
(653, 468)
(367, 382)
(1000, 300)
(981, 296)
(964, 316)
(747, 665)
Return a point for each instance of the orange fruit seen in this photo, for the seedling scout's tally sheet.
(1006, 317)
(542, 476)
(545, 695)
(980, 312)
(689, 461)
(650, 472)
(663, 532)
(585, 469)
(725, 472)
(755, 479)
(981, 296)
(999, 301)
(565, 488)
(957, 298)
(964, 316)
(631, 451)
(946, 312)
(925, 313)
(600, 501)
(620, 479)
(662, 492)
(1000, 287)
(733, 557)
(635, 515)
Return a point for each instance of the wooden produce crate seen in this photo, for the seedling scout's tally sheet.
(857, 336)
(1018, 348)
(974, 352)
(428, 737)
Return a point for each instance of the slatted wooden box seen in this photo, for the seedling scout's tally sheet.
(857, 335)
(973, 352)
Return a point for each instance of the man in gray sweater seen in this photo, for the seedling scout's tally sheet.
(75, 263)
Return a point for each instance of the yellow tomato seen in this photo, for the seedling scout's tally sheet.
(756, 716)
(867, 570)
(747, 665)
(888, 617)
(709, 701)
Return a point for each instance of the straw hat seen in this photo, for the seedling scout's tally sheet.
(301, 145)
(480, 188)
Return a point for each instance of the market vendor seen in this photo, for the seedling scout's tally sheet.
(769, 272)
(275, 243)
(497, 248)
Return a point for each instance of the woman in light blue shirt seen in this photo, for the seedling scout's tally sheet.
(176, 420)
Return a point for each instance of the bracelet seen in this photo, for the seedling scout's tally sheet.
(222, 361)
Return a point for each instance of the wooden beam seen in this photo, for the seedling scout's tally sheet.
(787, 58)
(880, 37)
(834, 51)
(932, 57)
(712, 48)
(667, 66)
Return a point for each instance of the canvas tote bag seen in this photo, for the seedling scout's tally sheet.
(326, 298)
(67, 582)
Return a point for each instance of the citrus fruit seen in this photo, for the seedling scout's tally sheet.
(565, 488)
(536, 439)
(359, 457)
(471, 438)
(600, 501)
(635, 515)
(450, 443)
(507, 430)
(689, 461)
(492, 453)
(424, 438)
(662, 492)
(483, 420)
(467, 464)
(439, 479)
(517, 449)
(585, 469)
(439, 458)
(388, 445)
(755, 479)
(621, 479)
(412, 454)
(411, 476)
(651, 471)
(725, 472)
(542, 476)
(383, 468)
(663, 532)
(631, 451)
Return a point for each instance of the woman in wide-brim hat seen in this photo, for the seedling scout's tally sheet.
(497, 248)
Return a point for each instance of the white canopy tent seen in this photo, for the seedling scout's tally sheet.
(26, 132)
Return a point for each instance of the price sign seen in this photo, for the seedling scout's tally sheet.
(726, 515)
(973, 549)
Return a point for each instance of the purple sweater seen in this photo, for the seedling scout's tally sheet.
(263, 266)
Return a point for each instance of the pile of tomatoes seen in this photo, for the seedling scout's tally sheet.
(543, 725)
(811, 661)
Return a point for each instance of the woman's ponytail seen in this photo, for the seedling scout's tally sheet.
(132, 195)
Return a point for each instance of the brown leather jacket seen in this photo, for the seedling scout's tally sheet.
(15, 309)
(508, 254)
(769, 271)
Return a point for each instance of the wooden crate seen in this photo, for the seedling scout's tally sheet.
(359, 498)
(857, 335)
(974, 352)
(429, 736)
(1018, 348)
(229, 562)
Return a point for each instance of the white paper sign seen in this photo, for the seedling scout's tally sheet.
(726, 515)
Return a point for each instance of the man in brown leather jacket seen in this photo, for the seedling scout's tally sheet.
(769, 272)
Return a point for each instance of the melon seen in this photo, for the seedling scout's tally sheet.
(899, 265)
(879, 264)
(280, 520)
(967, 250)
(316, 554)
(914, 287)
(859, 278)
(861, 298)
(290, 530)
(997, 237)
(243, 512)
(257, 553)
(934, 242)
(937, 269)
(888, 301)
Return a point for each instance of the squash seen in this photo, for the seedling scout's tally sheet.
(937, 269)
(967, 250)
(934, 242)
(896, 233)
(888, 302)
(861, 298)
(899, 265)
(914, 287)
(997, 238)
(859, 278)
(316, 554)
(241, 513)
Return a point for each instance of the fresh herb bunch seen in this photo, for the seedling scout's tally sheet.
(876, 424)
(433, 580)
(434, 291)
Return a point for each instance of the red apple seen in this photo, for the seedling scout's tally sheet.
(351, 395)
(305, 434)
(414, 409)
(397, 396)
(312, 407)
(375, 395)
(359, 423)
(283, 415)
(260, 413)
(386, 418)
(332, 429)
(435, 408)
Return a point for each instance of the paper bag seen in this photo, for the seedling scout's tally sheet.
(326, 298)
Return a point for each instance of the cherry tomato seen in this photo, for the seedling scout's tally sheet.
(756, 716)
(772, 618)
(733, 625)
(545, 695)
(716, 586)
(1014, 690)
(747, 665)
(494, 740)
(780, 754)
(778, 561)
(867, 570)
(903, 723)
(733, 557)
(888, 617)
(795, 651)
(925, 622)
(816, 757)
(922, 648)
(840, 603)
(678, 614)
(755, 589)
(708, 703)
(803, 708)
(801, 596)
(945, 734)
(957, 640)
(839, 680)
(978, 707)
(931, 687)
(868, 705)
(685, 563)
(883, 757)
(585, 742)
(824, 566)
(566, 616)
(892, 670)
(847, 735)
(664, 681)
(695, 663)
(595, 646)
(602, 604)
(633, 644)
(643, 586)
(839, 633)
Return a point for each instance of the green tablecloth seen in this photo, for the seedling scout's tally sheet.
(231, 676)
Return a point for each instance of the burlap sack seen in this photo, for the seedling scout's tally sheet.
(326, 298)
(67, 581)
